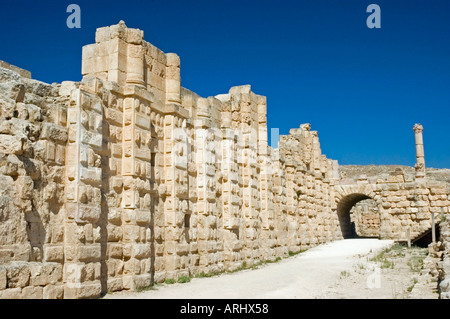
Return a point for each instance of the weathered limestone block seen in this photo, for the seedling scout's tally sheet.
(53, 292)
(13, 293)
(31, 292)
(18, 275)
(10, 144)
(88, 253)
(14, 90)
(53, 253)
(67, 87)
(115, 284)
(86, 291)
(43, 275)
(3, 278)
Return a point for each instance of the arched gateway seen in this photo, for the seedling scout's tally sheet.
(347, 196)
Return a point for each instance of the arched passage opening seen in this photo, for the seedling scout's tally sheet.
(365, 215)
(358, 220)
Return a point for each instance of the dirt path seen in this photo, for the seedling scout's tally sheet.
(340, 269)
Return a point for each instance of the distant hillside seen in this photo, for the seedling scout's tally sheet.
(354, 171)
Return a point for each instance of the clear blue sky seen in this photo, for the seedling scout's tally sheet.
(316, 61)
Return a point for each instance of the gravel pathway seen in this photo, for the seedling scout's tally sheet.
(306, 275)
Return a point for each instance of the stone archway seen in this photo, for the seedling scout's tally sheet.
(347, 197)
(343, 210)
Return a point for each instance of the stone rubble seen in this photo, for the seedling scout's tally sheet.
(443, 264)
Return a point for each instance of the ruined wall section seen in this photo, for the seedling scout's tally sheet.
(127, 178)
(403, 205)
(408, 205)
(32, 152)
(227, 164)
(310, 177)
(280, 220)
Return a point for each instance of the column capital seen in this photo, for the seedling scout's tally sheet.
(418, 128)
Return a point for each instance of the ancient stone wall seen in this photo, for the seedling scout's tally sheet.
(33, 137)
(310, 178)
(404, 206)
(126, 178)
(366, 218)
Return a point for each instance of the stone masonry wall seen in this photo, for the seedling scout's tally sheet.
(366, 217)
(126, 178)
(403, 205)
(33, 137)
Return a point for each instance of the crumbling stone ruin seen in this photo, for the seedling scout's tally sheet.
(443, 254)
(126, 178)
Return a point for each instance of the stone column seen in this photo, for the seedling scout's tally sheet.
(420, 155)
(135, 65)
(173, 79)
(83, 199)
(207, 213)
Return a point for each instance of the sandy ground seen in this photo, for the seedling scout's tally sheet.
(395, 274)
(340, 269)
